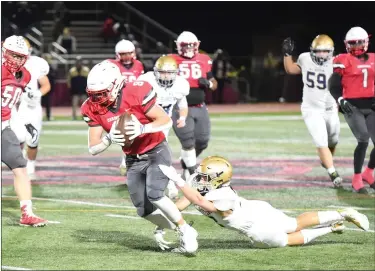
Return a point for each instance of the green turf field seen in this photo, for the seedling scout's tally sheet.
(96, 228)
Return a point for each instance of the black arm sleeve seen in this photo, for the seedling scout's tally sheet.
(335, 86)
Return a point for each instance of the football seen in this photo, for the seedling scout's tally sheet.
(120, 126)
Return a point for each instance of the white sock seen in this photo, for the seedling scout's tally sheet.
(326, 217)
(170, 210)
(189, 157)
(331, 170)
(160, 220)
(28, 204)
(311, 234)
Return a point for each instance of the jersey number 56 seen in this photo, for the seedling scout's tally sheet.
(190, 70)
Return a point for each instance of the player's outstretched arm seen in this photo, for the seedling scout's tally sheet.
(191, 194)
(183, 203)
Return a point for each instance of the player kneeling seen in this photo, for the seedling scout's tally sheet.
(266, 226)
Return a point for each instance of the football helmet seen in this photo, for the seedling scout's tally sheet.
(125, 51)
(165, 71)
(104, 83)
(187, 44)
(321, 49)
(15, 53)
(28, 46)
(212, 173)
(356, 41)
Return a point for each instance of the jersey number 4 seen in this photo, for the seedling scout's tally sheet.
(316, 80)
(188, 70)
(10, 96)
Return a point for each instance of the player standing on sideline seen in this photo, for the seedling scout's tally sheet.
(319, 108)
(264, 225)
(107, 100)
(130, 68)
(352, 85)
(29, 117)
(196, 69)
(170, 89)
(14, 78)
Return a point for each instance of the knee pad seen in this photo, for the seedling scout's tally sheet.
(187, 143)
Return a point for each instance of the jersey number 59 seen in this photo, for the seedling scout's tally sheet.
(316, 80)
(190, 70)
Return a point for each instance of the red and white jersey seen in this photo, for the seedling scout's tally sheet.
(193, 68)
(137, 98)
(357, 75)
(133, 72)
(11, 90)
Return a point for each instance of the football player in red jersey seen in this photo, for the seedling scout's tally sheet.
(107, 100)
(131, 68)
(352, 85)
(196, 68)
(14, 78)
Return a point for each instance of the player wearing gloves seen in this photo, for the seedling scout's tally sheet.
(107, 100)
(266, 227)
(27, 122)
(170, 89)
(352, 85)
(319, 109)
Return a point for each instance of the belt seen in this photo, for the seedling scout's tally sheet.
(137, 156)
(196, 105)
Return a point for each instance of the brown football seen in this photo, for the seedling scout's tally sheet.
(122, 120)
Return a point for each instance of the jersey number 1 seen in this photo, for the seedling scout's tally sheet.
(365, 76)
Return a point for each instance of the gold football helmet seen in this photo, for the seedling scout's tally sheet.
(212, 173)
(28, 45)
(165, 71)
(321, 49)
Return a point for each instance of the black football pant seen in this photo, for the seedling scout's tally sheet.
(362, 125)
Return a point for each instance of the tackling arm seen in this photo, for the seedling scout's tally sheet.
(183, 203)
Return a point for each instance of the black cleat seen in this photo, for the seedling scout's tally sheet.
(336, 179)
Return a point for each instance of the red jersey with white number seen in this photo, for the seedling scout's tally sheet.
(11, 90)
(131, 74)
(357, 75)
(192, 69)
(137, 98)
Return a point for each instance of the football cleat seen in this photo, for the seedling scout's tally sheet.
(188, 239)
(338, 227)
(355, 217)
(357, 184)
(368, 178)
(32, 220)
(336, 179)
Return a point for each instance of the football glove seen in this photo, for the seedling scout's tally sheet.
(287, 47)
(159, 238)
(345, 106)
(115, 136)
(204, 83)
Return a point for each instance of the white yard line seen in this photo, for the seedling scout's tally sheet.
(353, 207)
(6, 267)
(123, 216)
(355, 229)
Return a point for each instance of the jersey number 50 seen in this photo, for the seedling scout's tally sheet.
(316, 80)
(190, 70)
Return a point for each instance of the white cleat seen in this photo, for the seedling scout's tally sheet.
(338, 227)
(172, 190)
(360, 220)
(188, 240)
(122, 170)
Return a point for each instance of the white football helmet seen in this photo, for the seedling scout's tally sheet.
(187, 44)
(125, 51)
(356, 41)
(104, 83)
(15, 53)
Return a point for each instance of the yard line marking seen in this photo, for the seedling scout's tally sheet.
(353, 207)
(123, 216)
(6, 267)
(355, 229)
(53, 222)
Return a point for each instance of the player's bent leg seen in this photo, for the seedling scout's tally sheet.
(202, 130)
(11, 155)
(266, 236)
(368, 174)
(357, 124)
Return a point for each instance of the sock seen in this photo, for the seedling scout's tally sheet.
(331, 170)
(311, 234)
(359, 156)
(189, 158)
(28, 209)
(326, 217)
(123, 161)
(371, 162)
(160, 220)
(168, 208)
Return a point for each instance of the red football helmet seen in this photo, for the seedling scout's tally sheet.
(104, 83)
(15, 53)
(356, 41)
(187, 44)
